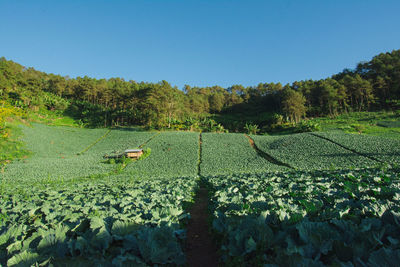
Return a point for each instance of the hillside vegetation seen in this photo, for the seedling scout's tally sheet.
(372, 85)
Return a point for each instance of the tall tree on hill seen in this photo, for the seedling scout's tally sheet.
(293, 104)
(383, 71)
(381, 90)
(56, 84)
(359, 91)
(331, 96)
(235, 92)
(160, 105)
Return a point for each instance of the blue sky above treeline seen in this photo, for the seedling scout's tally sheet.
(199, 43)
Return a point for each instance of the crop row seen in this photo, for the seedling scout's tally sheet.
(173, 154)
(378, 147)
(231, 153)
(308, 152)
(97, 222)
(335, 218)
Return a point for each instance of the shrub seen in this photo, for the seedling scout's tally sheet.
(251, 128)
(308, 126)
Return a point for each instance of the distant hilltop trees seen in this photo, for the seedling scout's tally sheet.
(372, 85)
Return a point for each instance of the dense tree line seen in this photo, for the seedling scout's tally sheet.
(104, 102)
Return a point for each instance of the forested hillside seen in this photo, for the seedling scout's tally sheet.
(373, 85)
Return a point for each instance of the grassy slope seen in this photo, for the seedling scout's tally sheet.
(381, 123)
(11, 147)
(55, 154)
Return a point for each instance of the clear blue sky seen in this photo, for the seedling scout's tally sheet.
(200, 43)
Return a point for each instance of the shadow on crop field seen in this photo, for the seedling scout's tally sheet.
(98, 242)
(351, 154)
(377, 157)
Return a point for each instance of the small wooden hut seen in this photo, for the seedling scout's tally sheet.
(133, 153)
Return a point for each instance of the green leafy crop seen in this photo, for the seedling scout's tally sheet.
(231, 153)
(307, 152)
(308, 218)
(381, 148)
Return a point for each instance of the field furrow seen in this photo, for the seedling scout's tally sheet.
(232, 153)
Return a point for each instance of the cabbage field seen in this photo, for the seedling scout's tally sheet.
(308, 152)
(380, 148)
(174, 154)
(231, 153)
(318, 218)
(321, 199)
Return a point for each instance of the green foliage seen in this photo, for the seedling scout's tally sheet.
(293, 104)
(97, 220)
(368, 122)
(160, 246)
(278, 119)
(251, 128)
(63, 209)
(290, 127)
(57, 151)
(308, 126)
(173, 154)
(124, 161)
(384, 149)
(307, 152)
(231, 153)
(199, 125)
(146, 153)
(11, 148)
(116, 102)
(210, 125)
(389, 124)
(6, 111)
(119, 160)
(308, 218)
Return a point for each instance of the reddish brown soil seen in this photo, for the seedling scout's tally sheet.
(251, 141)
(200, 248)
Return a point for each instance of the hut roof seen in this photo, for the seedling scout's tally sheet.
(133, 150)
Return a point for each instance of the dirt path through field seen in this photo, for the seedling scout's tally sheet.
(200, 248)
(265, 155)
